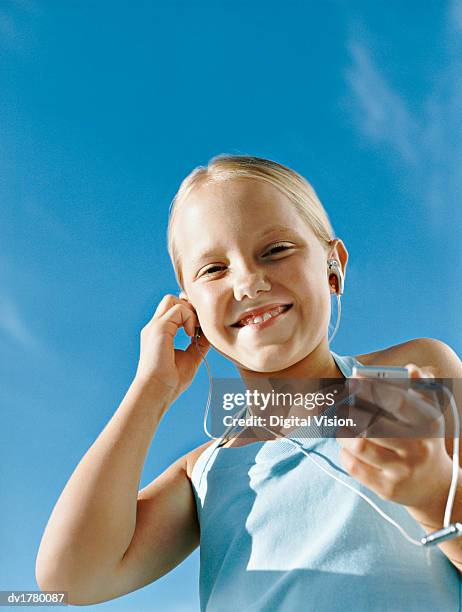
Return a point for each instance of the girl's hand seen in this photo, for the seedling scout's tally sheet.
(160, 362)
(413, 471)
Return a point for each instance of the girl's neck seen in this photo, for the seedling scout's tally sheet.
(317, 364)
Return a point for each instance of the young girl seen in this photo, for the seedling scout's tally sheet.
(248, 236)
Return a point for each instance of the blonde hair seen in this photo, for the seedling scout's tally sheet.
(225, 167)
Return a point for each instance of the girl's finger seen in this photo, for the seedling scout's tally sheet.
(364, 473)
(369, 452)
(403, 403)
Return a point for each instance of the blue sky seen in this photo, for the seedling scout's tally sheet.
(106, 106)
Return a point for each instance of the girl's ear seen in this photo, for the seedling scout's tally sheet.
(182, 295)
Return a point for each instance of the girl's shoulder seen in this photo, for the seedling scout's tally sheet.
(427, 353)
(194, 455)
(390, 356)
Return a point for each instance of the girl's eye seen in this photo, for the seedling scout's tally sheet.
(273, 249)
(209, 270)
(278, 247)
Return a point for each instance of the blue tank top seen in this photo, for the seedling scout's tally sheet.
(277, 534)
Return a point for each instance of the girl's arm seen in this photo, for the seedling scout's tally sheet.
(103, 538)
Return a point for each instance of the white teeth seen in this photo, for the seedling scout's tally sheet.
(264, 317)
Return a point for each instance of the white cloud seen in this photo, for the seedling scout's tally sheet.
(429, 142)
(13, 325)
(381, 112)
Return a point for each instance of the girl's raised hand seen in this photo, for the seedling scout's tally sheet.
(160, 363)
(396, 459)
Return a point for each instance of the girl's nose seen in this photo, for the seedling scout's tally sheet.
(250, 285)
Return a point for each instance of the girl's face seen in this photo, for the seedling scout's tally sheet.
(242, 245)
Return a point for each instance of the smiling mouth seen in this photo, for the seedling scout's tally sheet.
(262, 321)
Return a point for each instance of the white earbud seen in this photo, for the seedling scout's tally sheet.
(333, 267)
